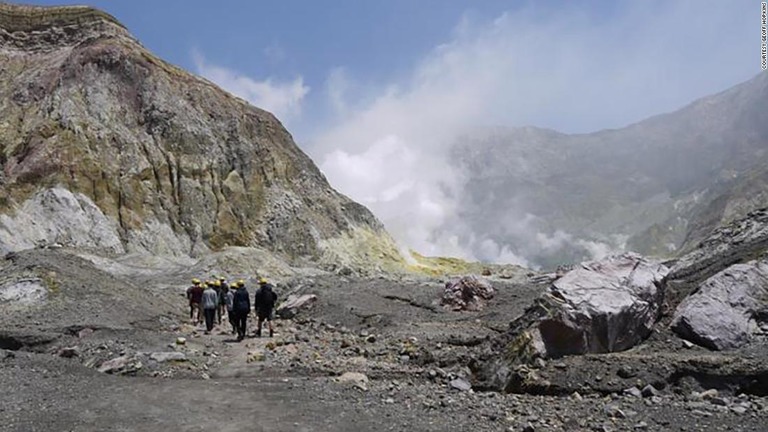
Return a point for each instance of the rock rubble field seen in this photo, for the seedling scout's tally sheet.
(106, 351)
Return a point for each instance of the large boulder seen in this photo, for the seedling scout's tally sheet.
(740, 241)
(294, 303)
(728, 308)
(601, 306)
(604, 306)
(467, 293)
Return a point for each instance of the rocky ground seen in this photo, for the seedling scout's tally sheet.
(94, 351)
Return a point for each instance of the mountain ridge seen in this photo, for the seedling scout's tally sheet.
(177, 165)
(25, 18)
(651, 186)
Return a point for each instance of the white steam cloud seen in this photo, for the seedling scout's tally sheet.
(387, 145)
(283, 99)
(565, 69)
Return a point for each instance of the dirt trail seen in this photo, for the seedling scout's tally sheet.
(97, 402)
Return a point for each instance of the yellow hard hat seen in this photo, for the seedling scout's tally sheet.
(222, 278)
(217, 283)
(262, 280)
(241, 283)
(209, 283)
(195, 281)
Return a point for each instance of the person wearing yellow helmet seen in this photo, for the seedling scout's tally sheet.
(241, 308)
(218, 286)
(210, 303)
(228, 295)
(264, 302)
(195, 296)
(222, 298)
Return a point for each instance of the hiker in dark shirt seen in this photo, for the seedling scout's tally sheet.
(264, 302)
(241, 307)
(195, 282)
(195, 294)
(224, 289)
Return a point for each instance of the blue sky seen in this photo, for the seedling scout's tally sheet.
(377, 91)
(378, 42)
(289, 38)
(286, 38)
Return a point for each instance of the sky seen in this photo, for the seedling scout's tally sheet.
(377, 91)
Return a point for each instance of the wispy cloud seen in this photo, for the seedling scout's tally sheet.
(274, 53)
(337, 89)
(565, 69)
(282, 98)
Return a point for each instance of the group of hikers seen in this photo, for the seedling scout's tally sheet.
(209, 301)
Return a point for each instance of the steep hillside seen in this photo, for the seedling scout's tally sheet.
(105, 146)
(654, 186)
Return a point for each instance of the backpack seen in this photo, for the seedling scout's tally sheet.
(265, 298)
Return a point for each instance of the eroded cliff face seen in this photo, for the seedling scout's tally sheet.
(176, 164)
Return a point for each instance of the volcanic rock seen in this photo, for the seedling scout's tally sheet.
(460, 384)
(467, 293)
(25, 292)
(357, 379)
(737, 242)
(70, 352)
(726, 310)
(290, 307)
(650, 391)
(599, 307)
(162, 357)
(608, 305)
(117, 364)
